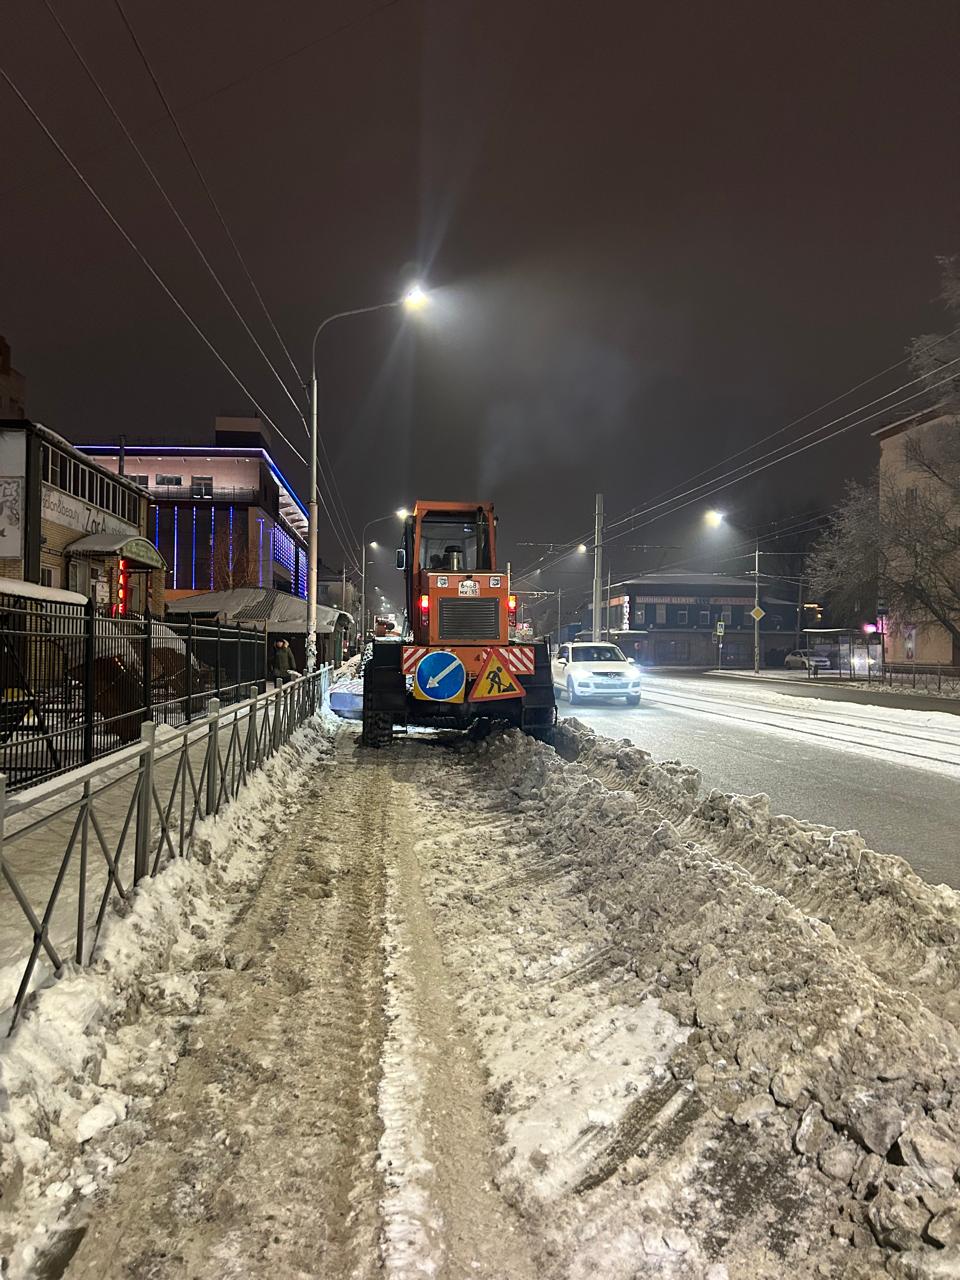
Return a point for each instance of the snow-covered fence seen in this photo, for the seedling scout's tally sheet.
(78, 844)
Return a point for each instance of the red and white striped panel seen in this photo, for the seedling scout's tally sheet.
(519, 659)
(412, 653)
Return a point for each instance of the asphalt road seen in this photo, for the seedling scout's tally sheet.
(893, 775)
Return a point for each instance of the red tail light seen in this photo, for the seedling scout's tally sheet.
(512, 608)
(424, 607)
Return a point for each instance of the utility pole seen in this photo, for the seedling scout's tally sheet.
(598, 569)
(558, 614)
(609, 576)
(756, 608)
(799, 607)
(311, 648)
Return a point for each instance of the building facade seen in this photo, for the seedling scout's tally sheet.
(13, 386)
(66, 521)
(222, 516)
(917, 638)
(666, 619)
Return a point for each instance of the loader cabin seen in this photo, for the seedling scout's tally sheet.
(454, 592)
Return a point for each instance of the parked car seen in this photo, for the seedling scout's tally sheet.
(800, 660)
(584, 671)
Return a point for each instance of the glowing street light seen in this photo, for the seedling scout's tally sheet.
(401, 513)
(714, 519)
(416, 298)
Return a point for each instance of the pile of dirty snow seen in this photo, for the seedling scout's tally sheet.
(809, 1115)
(96, 1045)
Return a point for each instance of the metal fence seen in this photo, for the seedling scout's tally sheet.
(74, 845)
(77, 685)
(926, 677)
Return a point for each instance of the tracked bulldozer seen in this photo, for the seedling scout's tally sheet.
(457, 663)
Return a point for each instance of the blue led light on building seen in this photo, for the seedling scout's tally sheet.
(156, 527)
(231, 541)
(260, 553)
(284, 550)
(176, 522)
(213, 515)
(193, 553)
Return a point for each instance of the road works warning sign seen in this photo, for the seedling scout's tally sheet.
(495, 681)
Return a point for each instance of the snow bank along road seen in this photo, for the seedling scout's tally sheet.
(891, 774)
(502, 1011)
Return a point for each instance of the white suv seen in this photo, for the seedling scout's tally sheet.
(595, 671)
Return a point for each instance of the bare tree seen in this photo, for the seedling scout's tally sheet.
(899, 537)
(234, 566)
(932, 355)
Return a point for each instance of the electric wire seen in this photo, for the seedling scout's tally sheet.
(587, 537)
(188, 150)
(798, 439)
(258, 70)
(151, 269)
(755, 470)
(752, 468)
(145, 261)
(91, 76)
(826, 405)
(346, 529)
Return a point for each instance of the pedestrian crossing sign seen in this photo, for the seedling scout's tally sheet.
(495, 681)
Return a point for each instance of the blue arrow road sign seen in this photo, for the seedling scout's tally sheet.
(440, 676)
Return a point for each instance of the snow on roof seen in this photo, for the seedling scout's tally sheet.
(33, 591)
(278, 609)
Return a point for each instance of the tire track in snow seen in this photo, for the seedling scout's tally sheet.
(442, 1214)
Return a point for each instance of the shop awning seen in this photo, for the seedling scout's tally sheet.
(132, 547)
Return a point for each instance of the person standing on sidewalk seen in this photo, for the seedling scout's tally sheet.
(284, 667)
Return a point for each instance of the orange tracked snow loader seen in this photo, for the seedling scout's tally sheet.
(457, 664)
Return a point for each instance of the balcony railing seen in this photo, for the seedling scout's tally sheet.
(187, 493)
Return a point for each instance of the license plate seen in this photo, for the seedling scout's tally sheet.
(469, 588)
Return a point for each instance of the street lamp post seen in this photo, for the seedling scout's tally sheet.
(401, 514)
(714, 519)
(415, 299)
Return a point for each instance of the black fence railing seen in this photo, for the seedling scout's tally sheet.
(76, 684)
(926, 677)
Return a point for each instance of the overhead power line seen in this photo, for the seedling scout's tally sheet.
(333, 491)
(790, 443)
(751, 468)
(755, 470)
(104, 97)
(806, 416)
(147, 264)
(206, 186)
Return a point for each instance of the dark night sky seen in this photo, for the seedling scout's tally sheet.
(659, 231)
